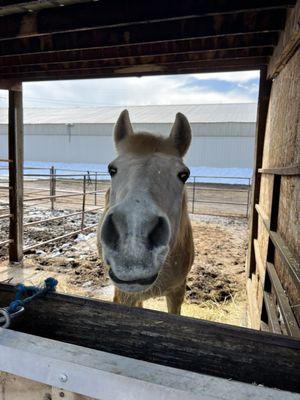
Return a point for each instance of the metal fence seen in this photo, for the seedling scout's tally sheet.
(82, 192)
(46, 191)
(208, 197)
(4, 211)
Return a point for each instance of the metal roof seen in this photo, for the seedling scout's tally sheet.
(196, 113)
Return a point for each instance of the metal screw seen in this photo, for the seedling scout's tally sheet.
(63, 377)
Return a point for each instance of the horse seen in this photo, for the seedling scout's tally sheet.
(145, 235)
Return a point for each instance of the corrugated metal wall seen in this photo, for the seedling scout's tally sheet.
(214, 145)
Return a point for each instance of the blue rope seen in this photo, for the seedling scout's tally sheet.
(32, 292)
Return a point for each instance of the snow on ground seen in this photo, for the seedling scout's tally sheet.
(233, 176)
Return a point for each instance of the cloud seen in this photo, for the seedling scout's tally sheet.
(236, 77)
(227, 87)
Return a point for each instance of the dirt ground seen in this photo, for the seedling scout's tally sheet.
(215, 287)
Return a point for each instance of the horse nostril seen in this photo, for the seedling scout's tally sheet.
(159, 235)
(109, 233)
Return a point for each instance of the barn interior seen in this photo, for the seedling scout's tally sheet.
(44, 41)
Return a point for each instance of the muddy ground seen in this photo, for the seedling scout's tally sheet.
(215, 286)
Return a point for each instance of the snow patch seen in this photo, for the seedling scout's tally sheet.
(202, 174)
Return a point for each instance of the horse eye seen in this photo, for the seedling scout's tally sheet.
(184, 175)
(112, 170)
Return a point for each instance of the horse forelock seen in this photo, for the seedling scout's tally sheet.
(143, 143)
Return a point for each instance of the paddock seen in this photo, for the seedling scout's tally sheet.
(74, 347)
(61, 214)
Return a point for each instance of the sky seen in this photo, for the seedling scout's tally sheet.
(225, 87)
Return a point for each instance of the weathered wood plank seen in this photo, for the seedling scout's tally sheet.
(20, 6)
(263, 106)
(119, 13)
(131, 61)
(15, 151)
(7, 84)
(293, 170)
(261, 268)
(261, 272)
(264, 327)
(252, 305)
(107, 376)
(197, 45)
(181, 342)
(272, 314)
(287, 257)
(211, 26)
(151, 69)
(283, 301)
(288, 44)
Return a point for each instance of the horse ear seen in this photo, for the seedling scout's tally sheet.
(123, 127)
(181, 134)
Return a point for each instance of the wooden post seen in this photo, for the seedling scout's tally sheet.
(96, 183)
(248, 197)
(262, 112)
(15, 150)
(52, 186)
(193, 204)
(83, 202)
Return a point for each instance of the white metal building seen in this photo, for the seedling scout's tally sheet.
(223, 134)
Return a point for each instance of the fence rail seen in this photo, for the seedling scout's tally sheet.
(198, 184)
(2, 216)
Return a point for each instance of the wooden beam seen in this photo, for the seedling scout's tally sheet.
(261, 266)
(212, 26)
(8, 84)
(264, 327)
(21, 6)
(262, 113)
(288, 44)
(186, 343)
(293, 170)
(133, 61)
(283, 301)
(117, 13)
(147, 69)
(15, 151)
(252, 305)
(247, 41)
(290, 261)
(106, 376)
(272, 314)
(287, 257)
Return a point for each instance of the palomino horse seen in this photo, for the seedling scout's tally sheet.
(145, 234)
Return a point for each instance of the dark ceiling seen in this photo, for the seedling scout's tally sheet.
(48, 40)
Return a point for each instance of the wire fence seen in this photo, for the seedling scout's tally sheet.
(80, 193)
(207, 197)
